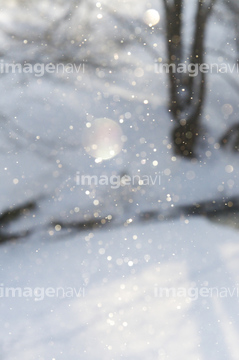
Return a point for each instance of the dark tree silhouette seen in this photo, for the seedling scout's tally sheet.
(187, 93)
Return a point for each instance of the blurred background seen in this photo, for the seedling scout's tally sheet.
(83, 96)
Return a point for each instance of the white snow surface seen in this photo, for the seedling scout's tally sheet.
(119, 313)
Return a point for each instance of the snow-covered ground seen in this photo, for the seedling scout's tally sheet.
(113, 308)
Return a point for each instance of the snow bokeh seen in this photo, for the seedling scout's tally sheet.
(110, 119)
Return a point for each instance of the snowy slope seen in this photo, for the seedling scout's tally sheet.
(120, 314)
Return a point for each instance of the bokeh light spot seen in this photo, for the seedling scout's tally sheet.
(103, 139)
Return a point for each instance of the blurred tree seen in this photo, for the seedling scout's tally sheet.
(187, 93)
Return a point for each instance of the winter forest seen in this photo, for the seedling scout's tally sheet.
(119, 165)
